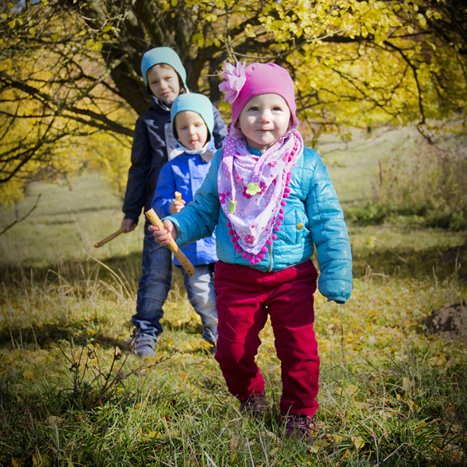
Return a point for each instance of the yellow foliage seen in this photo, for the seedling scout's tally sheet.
(355, 63)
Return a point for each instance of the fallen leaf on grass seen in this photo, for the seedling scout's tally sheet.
(334, 438)
(358, 442)
(318, 445)
(55, 420)
(412, 405)
(28, 375)
(347, 391)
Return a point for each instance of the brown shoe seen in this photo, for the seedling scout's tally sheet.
(300, 427)
(255, 405)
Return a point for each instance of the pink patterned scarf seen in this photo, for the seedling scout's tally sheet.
(253, 191)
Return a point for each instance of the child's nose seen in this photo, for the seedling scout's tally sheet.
(265, 116)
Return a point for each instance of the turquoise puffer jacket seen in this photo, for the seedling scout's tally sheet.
(312, 218)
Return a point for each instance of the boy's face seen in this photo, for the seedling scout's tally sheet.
(191, 130)
(263, 120)
(163, 82)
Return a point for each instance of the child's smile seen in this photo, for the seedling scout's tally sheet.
(163, 83)
(264, 120)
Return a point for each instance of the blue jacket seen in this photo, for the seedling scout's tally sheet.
(312, 218)
(185, 173)
(149, 154)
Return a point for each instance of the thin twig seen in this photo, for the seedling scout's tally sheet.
(209, 458)
(17, 221)
(393, 452)
(251, 455)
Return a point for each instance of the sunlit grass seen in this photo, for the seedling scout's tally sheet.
(380, 393)
(71, 393)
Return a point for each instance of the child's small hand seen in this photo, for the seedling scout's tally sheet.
(128, 225)
(176, 206)
(163, 237)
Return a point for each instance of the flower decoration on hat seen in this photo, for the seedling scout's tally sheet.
(235, 79)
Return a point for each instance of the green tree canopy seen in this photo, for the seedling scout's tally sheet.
(71, 86)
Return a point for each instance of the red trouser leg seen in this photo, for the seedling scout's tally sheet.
(290, 306)
(241, 316)
(245, 297)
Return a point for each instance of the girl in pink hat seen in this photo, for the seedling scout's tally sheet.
(272, 203)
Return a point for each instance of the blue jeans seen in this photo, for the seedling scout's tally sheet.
(202, 296)
(154, 285)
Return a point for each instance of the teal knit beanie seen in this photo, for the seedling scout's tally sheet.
(194, 103)
(164, 55)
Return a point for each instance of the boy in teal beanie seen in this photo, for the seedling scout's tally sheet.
(193, 122)
(153, 146)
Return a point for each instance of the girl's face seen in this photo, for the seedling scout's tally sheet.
(191, 129)
(263, 120)
(163, 83)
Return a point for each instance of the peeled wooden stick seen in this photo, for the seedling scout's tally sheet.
(178, 196)
(110, 237)
(184, 261)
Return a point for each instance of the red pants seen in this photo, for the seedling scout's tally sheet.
(245, 297)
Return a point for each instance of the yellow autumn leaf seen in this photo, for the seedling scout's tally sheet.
(358, 442)
(407, 384)
(28, 375)
(412, 405)
(40, 359)
(347, 391)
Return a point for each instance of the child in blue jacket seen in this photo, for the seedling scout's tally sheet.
(273, 202)
(192, 122)
(153, 146)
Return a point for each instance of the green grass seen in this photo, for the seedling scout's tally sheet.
(353, 163)
(66, 224)
(72, 394)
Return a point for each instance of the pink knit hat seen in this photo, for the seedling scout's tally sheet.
(242, 84)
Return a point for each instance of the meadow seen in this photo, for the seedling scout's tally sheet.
(73, 394)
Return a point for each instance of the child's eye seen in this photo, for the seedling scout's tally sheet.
(253, 109)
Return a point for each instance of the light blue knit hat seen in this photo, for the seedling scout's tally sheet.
(194, 103)
(164, 55)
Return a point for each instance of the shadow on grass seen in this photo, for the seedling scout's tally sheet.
(413, 263)
(83, 278)
(127, 268)
(404, 263)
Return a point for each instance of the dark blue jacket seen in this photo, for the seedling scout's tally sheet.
(149, 154)
(185, 174)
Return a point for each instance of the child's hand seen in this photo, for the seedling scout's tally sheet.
(176, 206)
(163, 237)
(128, 225)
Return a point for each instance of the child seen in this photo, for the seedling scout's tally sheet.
(153, 145)
(272, 201)
(192, 122)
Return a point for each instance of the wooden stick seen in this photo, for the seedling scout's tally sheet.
(110, 237)
(178, 196)
(184, 261)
